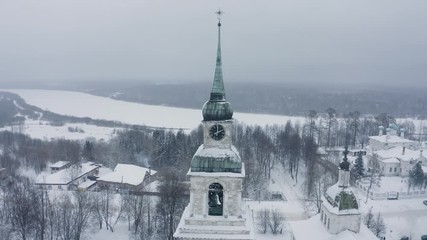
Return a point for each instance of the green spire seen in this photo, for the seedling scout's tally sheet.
(218, 90)
(217, 108)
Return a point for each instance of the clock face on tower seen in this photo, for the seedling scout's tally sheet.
(217, 132)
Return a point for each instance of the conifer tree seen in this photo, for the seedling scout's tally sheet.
(88, 153)
(358, 166)
(416, 176)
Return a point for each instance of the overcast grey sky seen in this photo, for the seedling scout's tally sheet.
(366, 41)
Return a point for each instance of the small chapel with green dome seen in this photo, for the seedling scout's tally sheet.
(216, 209)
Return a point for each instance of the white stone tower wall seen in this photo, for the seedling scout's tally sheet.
(341, 222)
(232, 194)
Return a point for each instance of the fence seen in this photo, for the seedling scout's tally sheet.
(392, 194)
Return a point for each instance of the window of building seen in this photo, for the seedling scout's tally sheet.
(329, 221)
(395, 169)
(391, 169)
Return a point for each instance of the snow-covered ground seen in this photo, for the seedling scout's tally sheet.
(43, 130)
(85, 105)
(403, 217)
(398, 184)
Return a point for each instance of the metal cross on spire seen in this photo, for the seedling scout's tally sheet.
(345, 165)
(219, 13)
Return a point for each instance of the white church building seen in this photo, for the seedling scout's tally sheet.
(216, 209)
(339, 218)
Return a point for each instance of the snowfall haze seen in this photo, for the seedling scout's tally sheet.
(310, 42)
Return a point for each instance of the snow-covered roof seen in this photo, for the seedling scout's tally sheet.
(65, 176)
(390, 139)
(59, 164)
(390, 160)
(126, 173)
(397, 153)
(223, 153)
(86, 184)
(313, 228)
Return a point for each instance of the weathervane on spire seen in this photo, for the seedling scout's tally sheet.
(219, 13)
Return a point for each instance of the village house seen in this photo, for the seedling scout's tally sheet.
(126, 177)
(69, 178)
(59, 166)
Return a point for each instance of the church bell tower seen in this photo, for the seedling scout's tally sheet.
(216, 210)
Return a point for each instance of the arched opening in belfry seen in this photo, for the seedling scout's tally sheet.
(216, 197)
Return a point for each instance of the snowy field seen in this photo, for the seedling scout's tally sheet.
(42, 130)
(85, 105)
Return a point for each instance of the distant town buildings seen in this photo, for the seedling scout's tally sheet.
(395, 155)
(85, 176)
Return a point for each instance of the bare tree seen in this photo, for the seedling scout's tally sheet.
(171, 203)
(22, 198)
(310, 160)
(276, 221)
(313, 200)
(378, 226)
(263, 220)
(368, 219)
(374, 177)
(82, 211)
(331, 121)
(294, 155)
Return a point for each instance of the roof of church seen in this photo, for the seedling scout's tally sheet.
(217, 108)
(341, 201)
(216, 160)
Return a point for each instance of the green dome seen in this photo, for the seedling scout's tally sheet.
(217, 110)
(212, 160)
